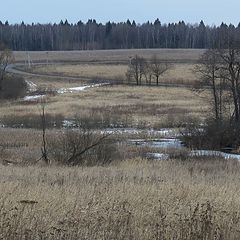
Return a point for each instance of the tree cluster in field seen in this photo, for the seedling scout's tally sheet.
(219, 71)
(123, 35)
(143, 72)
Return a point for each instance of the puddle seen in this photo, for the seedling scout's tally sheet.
(214, 154)
(175, 143)
(158, 143)
(196, 153)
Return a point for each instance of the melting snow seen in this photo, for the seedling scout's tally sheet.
(214, 154)
(196, 153)
(163, 132)
(68, 123)
(79, 89)
(158, 156)
(159, 143)
(31, 86)
(34, 97)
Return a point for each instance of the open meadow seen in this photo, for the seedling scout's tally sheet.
(115, 191)
(109, 56)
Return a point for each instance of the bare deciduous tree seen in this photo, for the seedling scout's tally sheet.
(139, 67)
(72, 146)
(136, 69)
(44, 151)
(209, 71)
(148, 73)
(158, 68)
(6, 58)
(230, 59)
(220, 70)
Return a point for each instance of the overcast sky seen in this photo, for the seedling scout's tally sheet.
(191, 11)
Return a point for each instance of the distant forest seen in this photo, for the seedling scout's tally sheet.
(124, 35)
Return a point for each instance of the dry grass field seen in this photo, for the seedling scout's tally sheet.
(130, 198)
(137, 199)
(171, 55)
(180, 73)
(126, 105)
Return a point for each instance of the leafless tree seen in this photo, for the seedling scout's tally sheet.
(6, 58)
(209, 70)
(73, 146)
(220, 71)
(158, 68)
(44, 151)
(230, 67)
(136, 69)
(148, 73)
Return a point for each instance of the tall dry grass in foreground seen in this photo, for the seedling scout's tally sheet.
(137, 199)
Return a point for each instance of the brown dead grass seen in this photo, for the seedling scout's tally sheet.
(133, 199)
(129, 200)
(143, 106)
(150, 106)
(180, 73)
(172, 55)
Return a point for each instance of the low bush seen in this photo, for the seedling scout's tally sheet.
(13, 87)
(103, 118)
(32, 121)
(212, 135)
(83, 147)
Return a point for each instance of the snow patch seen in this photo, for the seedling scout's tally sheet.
(79, 89)
(158, 156)
(211, 153)
(165, 132)
(158, 143)
(68, 123)
(31, 86)
(33, 97)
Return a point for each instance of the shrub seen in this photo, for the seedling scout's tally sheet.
(82, 147)
(33, 121)
(13, 87)
(212, 135)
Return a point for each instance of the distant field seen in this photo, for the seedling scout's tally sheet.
(180, 73)
(171, 55)
(146, 106)
(135, 106)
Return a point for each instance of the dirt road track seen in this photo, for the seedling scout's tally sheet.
(14, 69)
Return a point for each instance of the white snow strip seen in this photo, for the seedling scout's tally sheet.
(214, 154)
(162, 132)
(158, 143)
(196, 153)
(79, 89)
(158, 156)
(34, 97)
(33, 87)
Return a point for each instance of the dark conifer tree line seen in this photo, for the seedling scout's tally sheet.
(92, 35)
